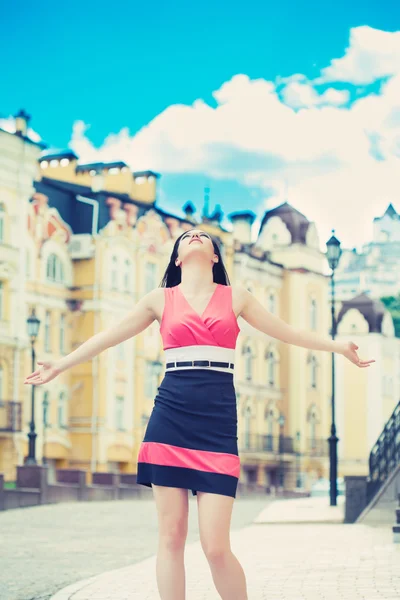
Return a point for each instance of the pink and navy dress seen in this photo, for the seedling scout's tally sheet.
(191, 437)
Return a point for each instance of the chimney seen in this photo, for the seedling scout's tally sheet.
(21, 122)
(242, 222)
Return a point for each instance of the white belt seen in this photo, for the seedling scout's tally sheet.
(189, 354)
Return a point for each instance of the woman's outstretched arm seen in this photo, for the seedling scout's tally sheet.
(256, 315)
(138, 319)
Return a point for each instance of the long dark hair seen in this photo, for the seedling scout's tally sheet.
(172, 275)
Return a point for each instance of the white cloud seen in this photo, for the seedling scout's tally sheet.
(340, 163)
(371, 54)
(304, 95)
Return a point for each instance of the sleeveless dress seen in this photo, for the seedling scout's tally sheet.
(191, 437)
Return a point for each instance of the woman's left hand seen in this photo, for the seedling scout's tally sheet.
(349, 350)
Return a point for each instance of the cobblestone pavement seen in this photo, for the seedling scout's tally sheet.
(45, 548)
(281, 562)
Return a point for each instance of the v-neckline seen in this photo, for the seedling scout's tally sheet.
(191, 307)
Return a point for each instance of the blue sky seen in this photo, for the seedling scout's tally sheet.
(121, 65)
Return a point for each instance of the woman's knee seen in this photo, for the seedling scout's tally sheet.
(173, 533)
(215, 551)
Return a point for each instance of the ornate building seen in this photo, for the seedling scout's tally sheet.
(375, 269)
(81, 243)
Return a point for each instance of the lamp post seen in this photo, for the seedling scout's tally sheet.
(33, 324)
(281, 421)
(298, 474)
(333, 255)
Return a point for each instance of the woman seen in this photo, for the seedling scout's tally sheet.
(191, 437)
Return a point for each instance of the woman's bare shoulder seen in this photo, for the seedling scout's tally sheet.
(239, 297)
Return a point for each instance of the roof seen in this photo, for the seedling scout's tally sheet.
(245, 215)
(146, 174)
(295, 221)
(26, 139)
(58, 154)
(99, 166)
(372, 310)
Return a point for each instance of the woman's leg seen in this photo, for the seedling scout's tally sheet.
(215, 513)
(172, 510)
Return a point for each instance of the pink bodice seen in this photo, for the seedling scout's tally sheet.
(181, 325)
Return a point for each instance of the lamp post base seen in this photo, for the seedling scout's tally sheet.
(31, 458)
(333, 441)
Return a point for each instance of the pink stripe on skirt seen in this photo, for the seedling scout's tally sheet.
(201, 460)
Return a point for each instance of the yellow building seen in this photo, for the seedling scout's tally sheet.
(94, 242)
(284, 391)
(19, 153)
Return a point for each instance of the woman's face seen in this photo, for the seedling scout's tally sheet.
(195, 241)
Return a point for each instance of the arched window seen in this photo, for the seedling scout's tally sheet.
(62, 334)
(62, 410)
(313, 315)
(55, 269)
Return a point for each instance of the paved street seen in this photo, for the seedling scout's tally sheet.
(46, 548)
(282, 562)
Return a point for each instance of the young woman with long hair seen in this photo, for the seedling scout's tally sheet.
(191, 437)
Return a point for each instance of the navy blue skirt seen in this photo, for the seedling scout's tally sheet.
(191, 438)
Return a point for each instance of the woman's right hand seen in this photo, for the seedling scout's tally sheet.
(48, 371)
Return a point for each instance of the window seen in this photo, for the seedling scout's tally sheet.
(248, 362)
(271, 363)
(127, 276)
(313, 371)
(119, 413)
(313, 314)
(46, 411)
(272, 302)
(54, 269)
(1, 300)
(247, 428)
(47, 331)
(114, 273)
(62, 334)
(2, 224)
(312, 421)
(151, 379)
(269, 417)
(150, 277)
(62, 410)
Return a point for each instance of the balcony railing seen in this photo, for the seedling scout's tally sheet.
(267, 443)
(10, 416)
(317, 447)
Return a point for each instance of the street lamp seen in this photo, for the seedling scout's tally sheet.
(333, 255)
(33, 324)
(298, 474)
(281, 421)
